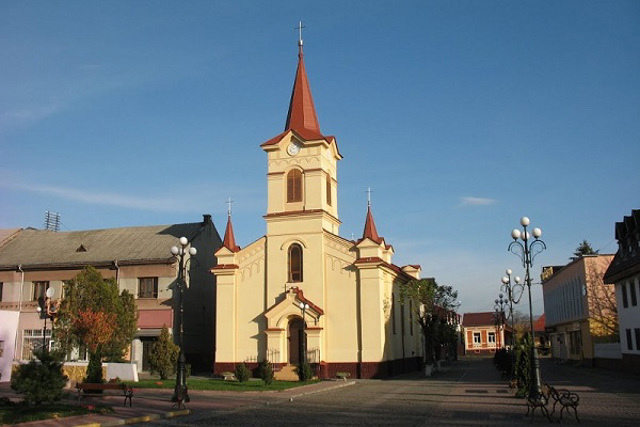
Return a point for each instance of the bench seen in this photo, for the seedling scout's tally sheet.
(566, 399)
(538, 401)
(343, 375)
(228, 376)
(84, 387)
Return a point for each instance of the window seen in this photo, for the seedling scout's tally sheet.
(634, 297)
(491, 338)
(294, 186)
(148, 287)
(625, 302)
(328, 189)
(1, 291)
(629, 340)
(476, 339)
(31, 341)
(39, 289)
(295, 263)
(637, 332)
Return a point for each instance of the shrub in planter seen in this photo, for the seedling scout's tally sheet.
(41, 382)
(305, 372)
(266, 372)
(242, 373)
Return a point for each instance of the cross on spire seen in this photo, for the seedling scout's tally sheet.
(299, 28)
(368, 197)
(229, 202)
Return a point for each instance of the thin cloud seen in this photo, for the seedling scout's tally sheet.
(26, 116)
(105, 199)
(476, 201)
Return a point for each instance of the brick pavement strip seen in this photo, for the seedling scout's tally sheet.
(469, 394)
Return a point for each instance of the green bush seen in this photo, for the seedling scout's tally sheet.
(94, 369)
(163, 357)
(41, 382)
(266, 372)
(242, 373)
(523, 364)
(305, 373)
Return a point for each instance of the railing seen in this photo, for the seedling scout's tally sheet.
(313, 355)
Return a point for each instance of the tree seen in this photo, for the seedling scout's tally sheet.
(164, 355)
(41, 382)
(432, 305)
(583, 249)
(94, 315)
(603, 311)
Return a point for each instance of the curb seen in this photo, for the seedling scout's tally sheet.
(321, 390)
(140, 419)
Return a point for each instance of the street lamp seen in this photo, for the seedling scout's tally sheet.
(514, 293)
(527, 251)
(303, 338)
(181, 392)
(43, 312)
(500, 305)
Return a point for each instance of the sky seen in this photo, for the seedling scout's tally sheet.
(461, 116)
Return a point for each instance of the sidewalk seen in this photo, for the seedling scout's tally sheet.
(155, 404)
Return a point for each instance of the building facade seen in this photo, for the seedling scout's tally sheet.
(624, 271)
(138, 258)
(580, 307)
(302, 291)
(483, 334)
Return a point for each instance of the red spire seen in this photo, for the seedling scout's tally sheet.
(302, 112)
(229, 238)
(370, 231)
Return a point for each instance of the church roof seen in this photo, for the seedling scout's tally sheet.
(302, 116)
(302, 119)
(229, 241)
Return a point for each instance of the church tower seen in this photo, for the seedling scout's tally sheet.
(302, 188)
(302, 165)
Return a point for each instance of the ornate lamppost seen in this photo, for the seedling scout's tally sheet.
(499, 307)
(514, 293)
(44, 312)
(527, 250)
(303, 338)
(181, 392)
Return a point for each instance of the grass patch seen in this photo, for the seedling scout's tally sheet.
(21, 413)
(216, 384)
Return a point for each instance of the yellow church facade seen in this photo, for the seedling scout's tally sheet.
(302, 292)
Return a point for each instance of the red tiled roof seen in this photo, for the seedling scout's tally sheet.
(302, 113)
(539, 324)
(229, 241)
(478, 319)
(370, 231)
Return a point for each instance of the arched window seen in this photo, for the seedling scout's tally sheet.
(294, 186)
(295, 263)
(328, 189)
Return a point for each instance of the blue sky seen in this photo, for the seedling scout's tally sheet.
(462, 116)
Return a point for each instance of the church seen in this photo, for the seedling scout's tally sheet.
(303, 292)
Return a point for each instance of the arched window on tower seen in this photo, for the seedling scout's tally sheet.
(295, 263)
(328, 189)
(294, 186)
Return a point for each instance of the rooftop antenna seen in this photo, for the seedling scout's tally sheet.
(52, 221)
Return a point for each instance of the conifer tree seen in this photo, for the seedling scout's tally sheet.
(164, 355)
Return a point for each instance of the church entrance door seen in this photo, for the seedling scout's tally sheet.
(295, 337)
